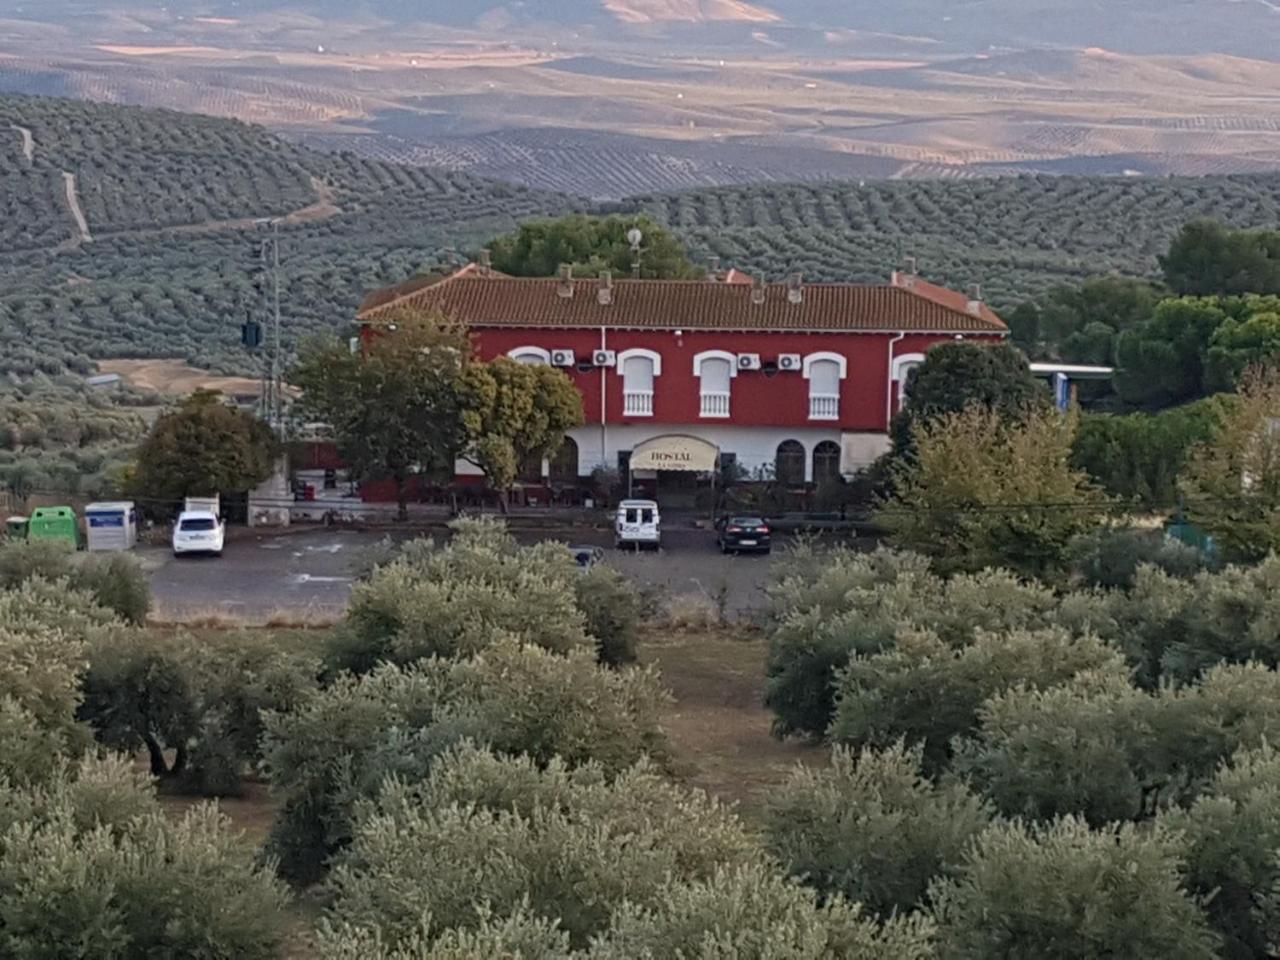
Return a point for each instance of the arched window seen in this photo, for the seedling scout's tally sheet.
(530, 355)
(824, 371)
(715, 370)
(826, 462)
(638, 369)
(789, 463)
(902, 367)
(564, 466)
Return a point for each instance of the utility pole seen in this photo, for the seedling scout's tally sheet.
(272, 389)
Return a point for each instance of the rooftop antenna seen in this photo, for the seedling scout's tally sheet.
(635, 237)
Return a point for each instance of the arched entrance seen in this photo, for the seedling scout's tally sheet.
(672, 469)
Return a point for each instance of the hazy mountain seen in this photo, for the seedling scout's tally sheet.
(1243, 27)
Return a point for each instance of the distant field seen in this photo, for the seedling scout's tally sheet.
(176, 379)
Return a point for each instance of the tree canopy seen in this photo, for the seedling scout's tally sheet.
(204, 447)
(1207, 259)
(591, 245)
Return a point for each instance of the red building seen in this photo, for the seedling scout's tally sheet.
(791, 379)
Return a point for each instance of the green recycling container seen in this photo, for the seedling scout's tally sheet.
(54, 523)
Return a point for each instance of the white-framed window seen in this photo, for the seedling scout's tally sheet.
(715, 370)
(530, 355)
(825, 371)
(902, 367)
(638, 368)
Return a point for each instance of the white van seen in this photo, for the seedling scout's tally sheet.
(638, 524)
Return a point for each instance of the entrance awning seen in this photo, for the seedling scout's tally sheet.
(676, 452)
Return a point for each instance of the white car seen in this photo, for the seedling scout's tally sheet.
(198, 531)
(638, 524)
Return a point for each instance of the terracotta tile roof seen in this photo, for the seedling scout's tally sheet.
(499, 301)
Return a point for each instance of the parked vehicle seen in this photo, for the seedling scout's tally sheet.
(54, 523)
(587, 557)
(638, 524)
(737, 534)
(198, 531)
(203, 505)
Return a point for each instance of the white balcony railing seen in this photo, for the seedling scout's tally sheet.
(637, 403)
(715, 405)
(824, 407)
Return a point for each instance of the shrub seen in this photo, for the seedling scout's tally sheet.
(1066, 749)
(929, 693)
(80, 870)
(612, 607)
(1110, 557)
(1232, 835)
(452, 600)
(565, 844)
(1061, 891)
(517, 936)
(871, 827)
(116, 582)
(21, 560)
(338, 746)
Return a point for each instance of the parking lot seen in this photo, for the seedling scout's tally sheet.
(306, 575)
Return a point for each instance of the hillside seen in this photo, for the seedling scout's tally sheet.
(172, 264)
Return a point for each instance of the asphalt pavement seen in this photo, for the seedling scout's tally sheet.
(305, 575)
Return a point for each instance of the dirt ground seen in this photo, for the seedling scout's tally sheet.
(176, 378)
(718, 725)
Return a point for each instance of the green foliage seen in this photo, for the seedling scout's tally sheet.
(1207, 259)
(1080, 324)
(1232, 834)
(568, 845)
(22, 560)
(958, 376)
(1111, 556)
(1139, 457)
(1238, 345)
(613, 609)
(116, 582)
(871, 827)
(204, 447)
(395, 408)
(338, 746)
(514, 412)
(457, 599)
(929, 693)
(981, 491)
(1232, 481)
(517, 936)
(1062, 891)
(591, 245)
(93, 864)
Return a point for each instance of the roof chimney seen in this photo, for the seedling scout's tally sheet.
(757, 290)
(713, 268)
(909, 266)
(565, 289)
(485, 260)
(795, 288)
(975, 299)
(604, 293)
(906, 276)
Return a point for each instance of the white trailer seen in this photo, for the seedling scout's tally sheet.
(203, 505)
(111, 526)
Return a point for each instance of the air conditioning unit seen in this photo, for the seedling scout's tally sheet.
(563, 358)
(748, 361)
(604, 358)
(789, 362)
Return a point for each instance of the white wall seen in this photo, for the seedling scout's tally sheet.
(755, 447)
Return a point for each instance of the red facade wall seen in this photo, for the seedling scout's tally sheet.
(757, 399)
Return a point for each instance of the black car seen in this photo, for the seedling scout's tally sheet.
(587, 557)
(736, 534)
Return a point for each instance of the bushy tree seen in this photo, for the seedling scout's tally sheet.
(91, 863)
(568, 844)
(1161, 362)
(1110, 556)
(395, 408)
(1232, 482)
(591, 245)
(1240, 344)
(613, 609)
(959, 375)
(929, 693)
(1207, 259)
(115, 582)
(1061, 891)
(204, 447)
(982, 490)
(1232, 834)
(1139, 457)
(514, 412)
(339, 746)
(454, 599)
(871, 827)
(519, 935)
(1067, 749)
